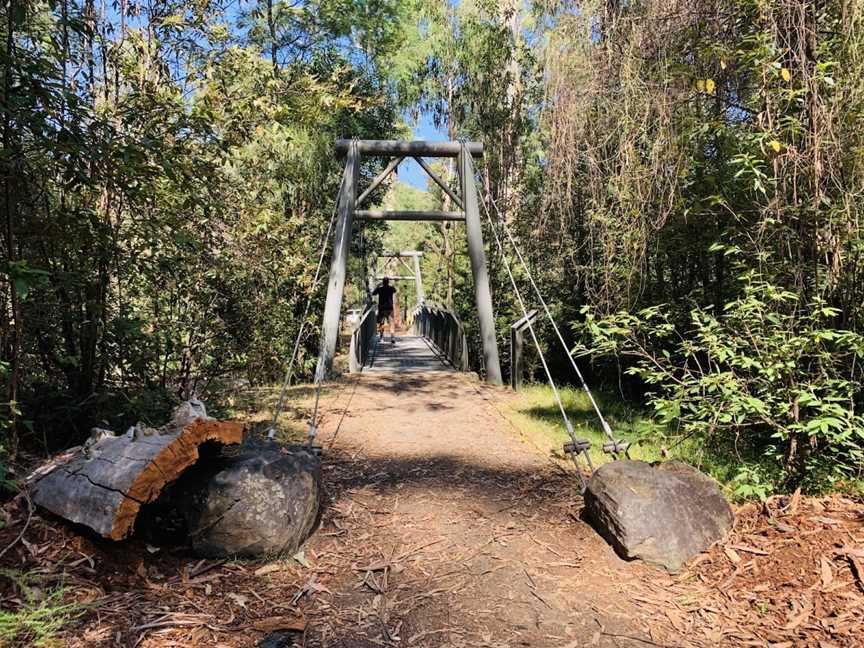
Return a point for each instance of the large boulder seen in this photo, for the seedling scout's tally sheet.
(664, 513)
(263, 500)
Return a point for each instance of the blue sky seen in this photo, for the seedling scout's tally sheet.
(409, 171)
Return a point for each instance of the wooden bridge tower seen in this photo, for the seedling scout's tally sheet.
(349, 208)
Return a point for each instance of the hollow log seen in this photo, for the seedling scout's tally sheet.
(104, 483)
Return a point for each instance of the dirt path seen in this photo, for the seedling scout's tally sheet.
(442, 528)
(456, 532)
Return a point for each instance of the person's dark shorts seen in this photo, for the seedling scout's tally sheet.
(384, 316)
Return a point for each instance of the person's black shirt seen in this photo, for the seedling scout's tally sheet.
(385, 297)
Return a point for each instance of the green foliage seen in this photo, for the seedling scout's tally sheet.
(40, 617)
(673, 149)
(536, 414)
(168, 192)
(768, 380)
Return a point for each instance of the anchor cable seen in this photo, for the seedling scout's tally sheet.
(289, 372)
(577, 443)
(607, 429)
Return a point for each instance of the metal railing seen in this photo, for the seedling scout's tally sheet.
(362, 338)
(441, 327)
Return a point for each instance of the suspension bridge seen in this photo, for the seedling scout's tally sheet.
(408, 415)
(437, 341)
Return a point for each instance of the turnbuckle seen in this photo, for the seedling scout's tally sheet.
(312, 446)
(576, 446)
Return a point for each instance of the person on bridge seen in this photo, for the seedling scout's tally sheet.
(385, 294)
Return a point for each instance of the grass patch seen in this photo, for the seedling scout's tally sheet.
(255, 407)
(40, 616)
(536, 414)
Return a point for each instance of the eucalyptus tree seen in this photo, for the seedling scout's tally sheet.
(164, 200)
(704, 168)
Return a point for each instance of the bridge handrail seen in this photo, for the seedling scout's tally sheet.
(443, 328)
(361, 339)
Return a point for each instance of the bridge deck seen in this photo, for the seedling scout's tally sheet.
(410, 353)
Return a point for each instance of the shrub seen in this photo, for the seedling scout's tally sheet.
(769, 382)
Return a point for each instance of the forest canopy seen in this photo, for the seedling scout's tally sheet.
(684, 177)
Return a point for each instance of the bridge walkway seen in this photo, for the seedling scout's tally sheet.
(409, 354)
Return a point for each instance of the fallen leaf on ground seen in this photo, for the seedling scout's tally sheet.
(858, 569)
(802, 615)
(732, 555)
(748, 549)
(239, 599)
(272, 624)
(268, 569)
(794, 502)
(826, 572)
(677, 620)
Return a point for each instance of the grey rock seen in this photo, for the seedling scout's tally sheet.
(664, 513)
(278, 639)
(262, 501)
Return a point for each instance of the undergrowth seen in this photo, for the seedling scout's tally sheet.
(41, 614)
(536, 414)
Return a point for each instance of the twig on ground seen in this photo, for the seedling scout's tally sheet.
(203, 569)
(615, 635)
(18, 538)
(545, 546)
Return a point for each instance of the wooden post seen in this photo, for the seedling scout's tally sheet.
(418, 280)
(338, 266)
(482, 294)
(372, 280)
(517, 339)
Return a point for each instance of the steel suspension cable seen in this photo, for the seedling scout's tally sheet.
(603, 423)
(569, 427)
(286, 382)
(313, 421)
(319, 378)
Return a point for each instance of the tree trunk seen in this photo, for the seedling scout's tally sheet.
(11, 204)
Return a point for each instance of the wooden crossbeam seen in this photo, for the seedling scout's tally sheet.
(367, 214)
(456, 200)
(397, 147)
(404, 253)
(378, 180)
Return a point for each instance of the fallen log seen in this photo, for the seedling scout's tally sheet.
(104, 483)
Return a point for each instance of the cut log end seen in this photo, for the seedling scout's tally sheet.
(103, 485)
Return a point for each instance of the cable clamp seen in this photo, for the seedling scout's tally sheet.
(576, 446)
(608, 430)
(616, 447)
(573, 449)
